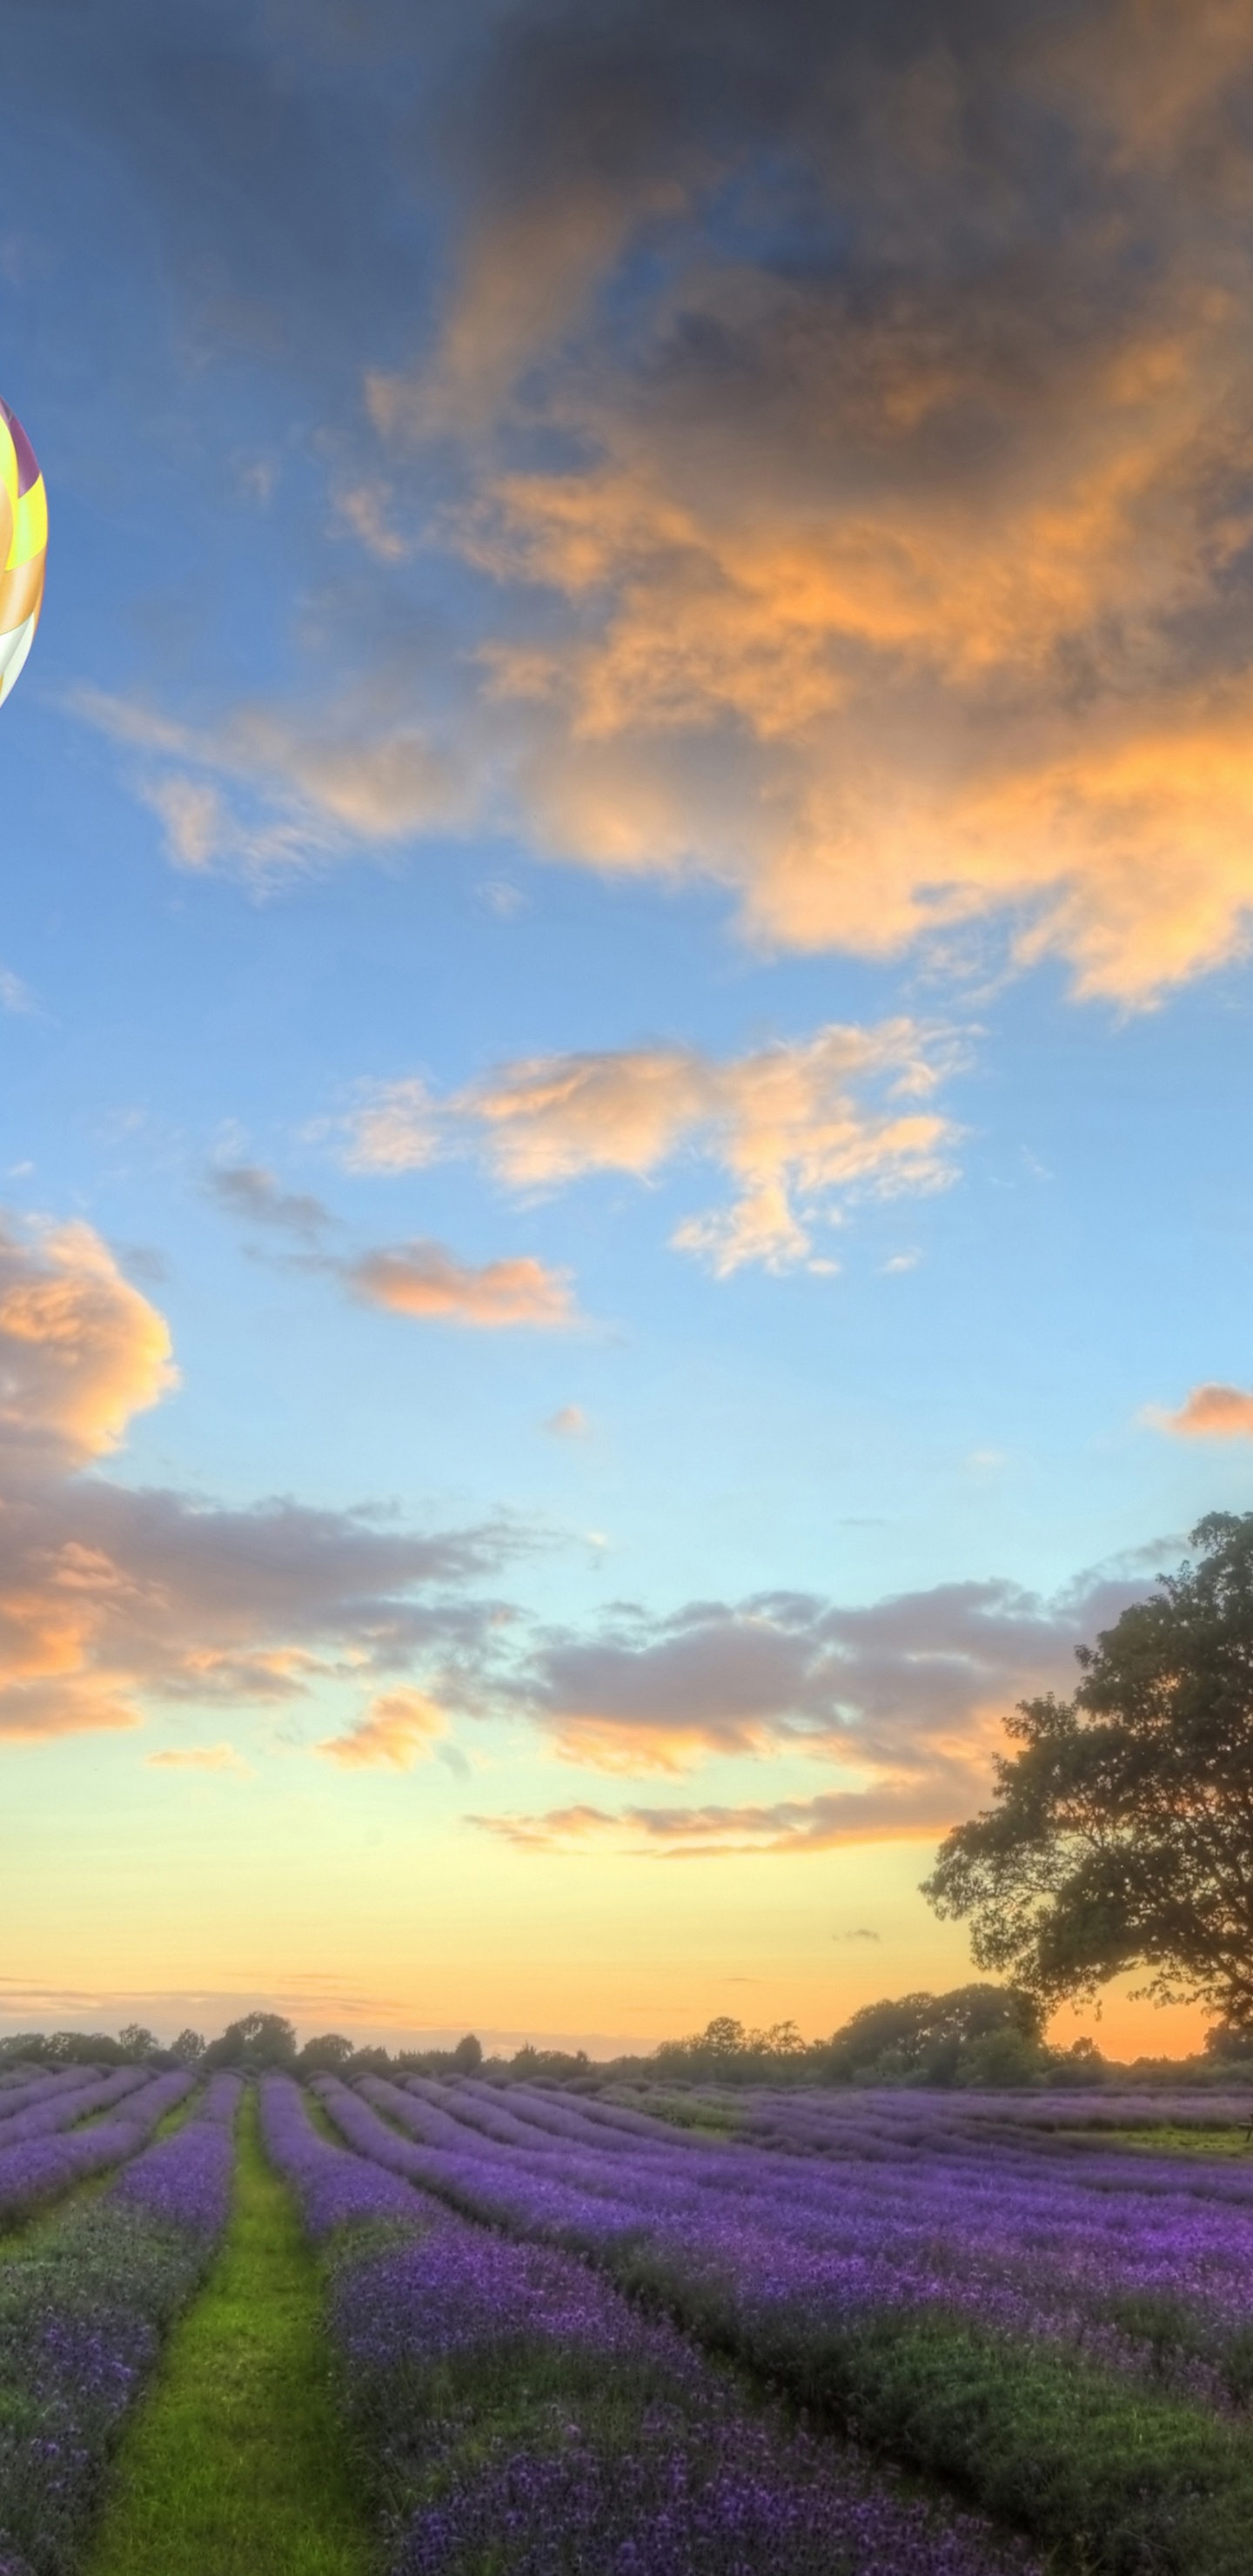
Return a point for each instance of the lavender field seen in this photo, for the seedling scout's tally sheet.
(560, 2332)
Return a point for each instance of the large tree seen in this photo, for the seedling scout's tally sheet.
(1122, 1830)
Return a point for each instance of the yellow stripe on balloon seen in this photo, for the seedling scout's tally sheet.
(23, 549)
(30, 527)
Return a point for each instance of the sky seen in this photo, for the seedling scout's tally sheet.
(627, 866)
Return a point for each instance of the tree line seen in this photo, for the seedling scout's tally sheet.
(985, 2035)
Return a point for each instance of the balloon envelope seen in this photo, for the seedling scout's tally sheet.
(23, 547)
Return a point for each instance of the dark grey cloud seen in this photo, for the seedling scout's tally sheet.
(113, 1598)
(248, 1191)
(910, 1688)
(905, 1697)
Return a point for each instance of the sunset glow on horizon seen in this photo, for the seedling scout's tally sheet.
(624, 980)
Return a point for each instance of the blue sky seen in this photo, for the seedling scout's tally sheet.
(624, 918)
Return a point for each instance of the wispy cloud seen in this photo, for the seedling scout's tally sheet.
(363, 508)
(201, 1757)
(268, 793)
(248, 1191)
(798, 1128)
(787, 1826)
(569, 1422)
(15, 996)
(423, 1280)
(398, 1728)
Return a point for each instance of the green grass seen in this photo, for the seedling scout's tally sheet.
(709, 2118)
(1170, 2140)
(236, 2463)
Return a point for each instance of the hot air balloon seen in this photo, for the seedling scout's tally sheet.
(23, 547)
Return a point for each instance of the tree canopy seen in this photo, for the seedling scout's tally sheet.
(1122, 1830)
(257, 2039)
(977, 2034)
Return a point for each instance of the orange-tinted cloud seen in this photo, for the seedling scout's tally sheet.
(113, 1597)
(399, 1728)
(80, 1349)
(423, 1280)
(420, 1279)
(797, 1127)
(200, 1757)
(896, 1812)
(1212, 1413)
(887, 557)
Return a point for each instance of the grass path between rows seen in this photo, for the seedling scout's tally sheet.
(236, 2464)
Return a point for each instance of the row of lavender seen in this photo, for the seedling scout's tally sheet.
(55, 2142)
(982, 2313)
(82, 2312)
(515, 2411)
(825, 2121)
(25, 2092)
(1145, 2263)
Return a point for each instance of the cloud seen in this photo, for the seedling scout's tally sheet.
(786, 1825)
(81, 1350)
(797, 1127)
(363, 507)
(114, 1600)
(820, 432)
(246, 1190)
(15, 996)
(396, 1128)
(269, 793)
(1210, 1413)
(201, 1757)
(115, 1597)
(423, 1280)
(418, 1279)
(895, 585)
(561, 1829)
(399, 1728)
(569, 1422)
(905, 1694)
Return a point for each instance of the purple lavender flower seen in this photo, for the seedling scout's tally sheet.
(334, 2190)
(83, 2312)
(1140, 2263)
(42, 2168)
(59, 2110)
(18, 2095)
(629, 2455)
